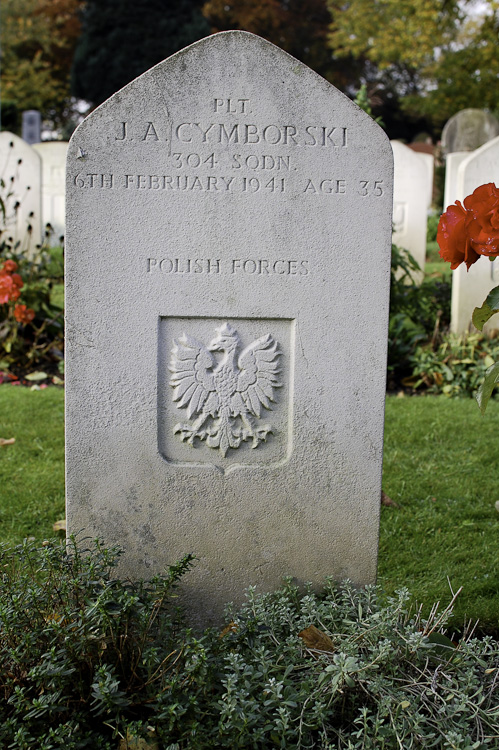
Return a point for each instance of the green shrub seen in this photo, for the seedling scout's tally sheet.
(418, 312)
(86, 659)
(456, 366)
(431, 227)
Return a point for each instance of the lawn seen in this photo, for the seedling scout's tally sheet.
(441, 467)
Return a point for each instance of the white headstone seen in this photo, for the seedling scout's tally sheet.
(412, 189)
(32, 126)
(468, 129)
(53, 155)
(452, 163)
(470, 288)
(228, 260)
(20, 171)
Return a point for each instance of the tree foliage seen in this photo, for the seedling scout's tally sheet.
(38, 39)
(121, 39)
(436, 56)
(297, 27)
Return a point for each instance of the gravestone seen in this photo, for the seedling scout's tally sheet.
(452, 163)
(470, 288)
(32, 126)
(53, 155)
(20, 167)
(412, 193)
(468, 129)
(228, 259)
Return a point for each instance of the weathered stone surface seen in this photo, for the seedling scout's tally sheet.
(468, 129)
(20, 167)
(228, 259)
(53, 155)
(412, 191)
(470, 288)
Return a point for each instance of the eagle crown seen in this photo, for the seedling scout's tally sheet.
(226, 341)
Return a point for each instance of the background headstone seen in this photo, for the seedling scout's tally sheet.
(470, 288)
(452, 163)
(228, 206)
(32, 126)
(53, 155)
(20, 167)
(468, 129)
(412, 193)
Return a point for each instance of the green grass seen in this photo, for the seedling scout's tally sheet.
(32, 469)
(441, 466)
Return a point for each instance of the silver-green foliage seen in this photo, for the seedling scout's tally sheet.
(86, 659)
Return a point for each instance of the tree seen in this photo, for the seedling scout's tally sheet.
(430, 55)
(299, 28)
(38, 39)
(121, 39)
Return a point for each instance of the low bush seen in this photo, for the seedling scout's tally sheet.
(418, 314)
(88, 660)
(455, 366)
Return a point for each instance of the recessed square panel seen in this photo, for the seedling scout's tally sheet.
(225, 391)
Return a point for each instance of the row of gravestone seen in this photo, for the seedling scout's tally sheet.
(42, 167)
(32, 188)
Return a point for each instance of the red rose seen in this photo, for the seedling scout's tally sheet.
(6, 288)
(23, 314)
(453, 239)
(10, 266)
(483, 227)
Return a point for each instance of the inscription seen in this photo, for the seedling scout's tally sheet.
(235, 266)
(271, 135)
(231, 184)
(226, 394)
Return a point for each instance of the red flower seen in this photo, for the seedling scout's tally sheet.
(453, 238)
(6, 288)
(483, 228)
(17, 280)
(23, 314)
(10, 266)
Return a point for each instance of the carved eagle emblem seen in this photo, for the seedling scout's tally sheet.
(224, 394)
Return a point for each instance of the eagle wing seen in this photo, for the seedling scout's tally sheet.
(258, 376)
(191, 366)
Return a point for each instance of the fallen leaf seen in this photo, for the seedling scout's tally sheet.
(230, 628)
(57, 380)
(385, 500)
(60, 525)
(316, 640)
(10, 441)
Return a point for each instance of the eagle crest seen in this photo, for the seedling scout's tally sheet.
(224, 396)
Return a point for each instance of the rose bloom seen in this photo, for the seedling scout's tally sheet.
(23, 314)
(17, 280)
(6, 288)
(483, 227)
(10, 266)
(453, 238)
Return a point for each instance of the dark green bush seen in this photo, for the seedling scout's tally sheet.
(86, 659)
(455, 366)
(418, 314)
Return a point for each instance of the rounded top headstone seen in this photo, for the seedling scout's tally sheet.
(469, 129)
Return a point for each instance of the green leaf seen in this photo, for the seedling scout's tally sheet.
(485, 391)
(491, 306)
